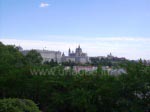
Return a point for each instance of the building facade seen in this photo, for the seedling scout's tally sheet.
(84, 68)
(78, 56)
(47, 55)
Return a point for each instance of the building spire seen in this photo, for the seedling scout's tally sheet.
(79, 46)
(110, 54)
(69, 51)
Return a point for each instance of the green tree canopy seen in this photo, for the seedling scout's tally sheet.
(18, 105)
(33, 58)
(10, 58)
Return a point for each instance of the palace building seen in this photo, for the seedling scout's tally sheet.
(78, 56)
(47, 55)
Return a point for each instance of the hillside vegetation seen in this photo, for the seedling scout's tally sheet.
(72, 93)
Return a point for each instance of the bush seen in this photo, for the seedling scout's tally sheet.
(18, 105)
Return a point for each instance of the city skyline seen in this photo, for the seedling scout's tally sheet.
(90, 46)
(100, 27)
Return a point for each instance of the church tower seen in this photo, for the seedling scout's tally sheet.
(69, 51)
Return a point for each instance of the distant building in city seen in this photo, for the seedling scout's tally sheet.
(84, 68)
(109, 57)
(46, 55)
(78, 56)
(112, 71)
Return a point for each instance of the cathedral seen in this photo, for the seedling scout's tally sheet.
(78, 56)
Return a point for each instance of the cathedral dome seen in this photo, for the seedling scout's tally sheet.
(78, 49)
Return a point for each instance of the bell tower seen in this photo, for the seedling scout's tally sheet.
(69, 51)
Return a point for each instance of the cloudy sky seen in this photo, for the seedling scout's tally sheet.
(99, 26)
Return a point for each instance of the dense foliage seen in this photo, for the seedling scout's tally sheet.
(10, 59)
(94, 92)
(18, 105)
(33, 58)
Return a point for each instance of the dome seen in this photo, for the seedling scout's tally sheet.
(78, 50)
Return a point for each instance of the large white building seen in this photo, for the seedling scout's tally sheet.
(78, 56)
(47, 55)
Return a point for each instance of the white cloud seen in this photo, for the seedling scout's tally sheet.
(42, 4)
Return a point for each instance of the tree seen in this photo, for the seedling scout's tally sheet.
(52, 63)
(11, 59)
(18, 105)
(33, 58)
(99, 70)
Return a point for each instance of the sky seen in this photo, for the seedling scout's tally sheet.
(121, 27)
